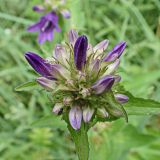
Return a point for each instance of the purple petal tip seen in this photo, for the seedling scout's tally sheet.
(80, 51)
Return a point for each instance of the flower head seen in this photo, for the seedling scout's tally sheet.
(82, 79)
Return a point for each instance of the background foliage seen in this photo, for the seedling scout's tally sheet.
(135, 21)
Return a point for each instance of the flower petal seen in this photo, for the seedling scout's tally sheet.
(34, 28)
(50, 36)
(116, 52)
(42, 37)
(73, 35)
(87, 114)
(75, 117)
(104, 84)
(80, 52)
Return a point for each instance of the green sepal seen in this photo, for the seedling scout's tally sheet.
(114, 108)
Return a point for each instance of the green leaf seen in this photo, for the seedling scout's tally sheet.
(140, 106)
(51, 121)
(27, 86)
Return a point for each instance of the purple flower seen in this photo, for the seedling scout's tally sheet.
(75, 117)
(87, 114)
(73, 35)
(80, 52)
(116, 52)
(121, 98)
(39, 64)
(104, 84)
(46, 83)
(46, 26)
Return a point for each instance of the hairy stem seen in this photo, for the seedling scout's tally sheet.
(80, 139)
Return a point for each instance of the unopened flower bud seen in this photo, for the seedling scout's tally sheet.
(112, 67)
(73, 35)
(57, 108)
(121, 98)
(46, 83)
(80, 52)
(87, 114)
(67, 100)
(104, 84)
(101, 112)
(100, 47)
(116, 52)
(75, 117)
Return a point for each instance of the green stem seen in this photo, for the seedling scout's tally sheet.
(80, 139)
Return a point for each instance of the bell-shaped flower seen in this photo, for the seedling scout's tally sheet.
(57, 109)
(87, 114)
(121, 98)
(72, 36)
(80, 52)
(116, 52)
(75, 117)
(103, 84)
(46, 26)
(46, 83)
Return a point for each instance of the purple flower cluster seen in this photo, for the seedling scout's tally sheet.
(83, 72)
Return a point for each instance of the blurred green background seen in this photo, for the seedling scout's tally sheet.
(135, 21)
